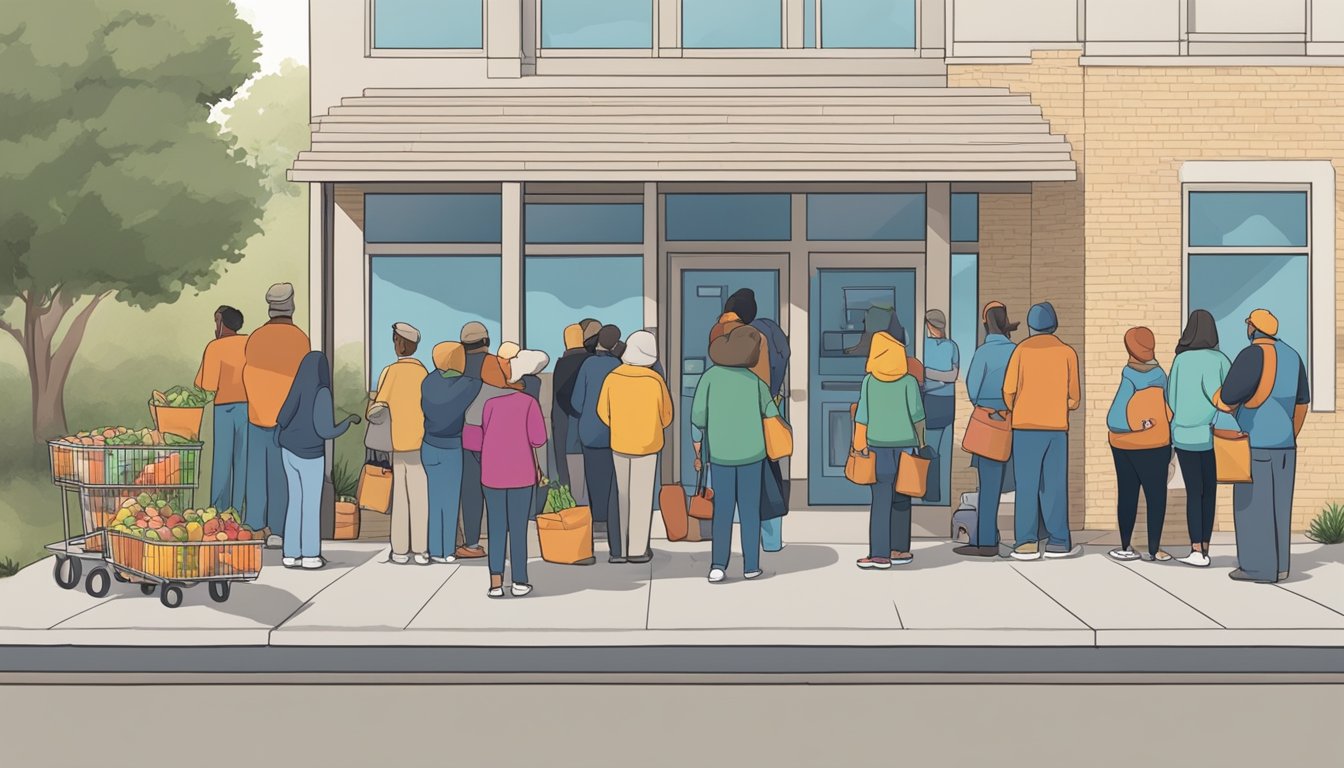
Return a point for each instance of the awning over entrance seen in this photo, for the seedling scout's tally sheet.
(685, 134)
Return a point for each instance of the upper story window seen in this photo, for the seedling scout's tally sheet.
(732, 24)
(859, 23)
(427, 24)
(598, 24)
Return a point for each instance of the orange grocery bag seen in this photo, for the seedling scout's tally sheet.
(1232, 456)
(183, 422)
(566, 536)
(375, 488)
(912, 475)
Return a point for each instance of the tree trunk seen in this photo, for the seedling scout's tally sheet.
(48, 410)
(49, 363)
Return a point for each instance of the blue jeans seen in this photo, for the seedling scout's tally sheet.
(303, 536)
(506, 511)
(987, 507)
(1042, 469)
(772, 531)
(737, 489)
(267, 491)
(228, 467)
(443, 469)
(889, 518)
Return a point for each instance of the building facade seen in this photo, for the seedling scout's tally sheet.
(531, 163)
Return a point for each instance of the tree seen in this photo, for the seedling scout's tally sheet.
(271, 125)
(113, 183)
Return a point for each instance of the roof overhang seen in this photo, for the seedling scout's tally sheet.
(679, 134)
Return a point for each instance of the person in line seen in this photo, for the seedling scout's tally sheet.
(1266, 389)
(942, 366)
(564, 424)
(637, 406)
(1139, 425)
(271, 360)
(221, 373)
(984, 386)
(485, 368)
(306, 422)
(1197, 373)
(890, 420)
(598, 466)
(445, 396)
(729, 404)
(526, 360)
(511, 430)
(399, 389)
(1041, 386)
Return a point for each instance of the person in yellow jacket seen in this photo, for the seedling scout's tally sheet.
(636, 405)
(1041, 387)
(399, 388)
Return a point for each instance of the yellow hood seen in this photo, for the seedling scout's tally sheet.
(450, 356)
(574, 336)
(886, 358)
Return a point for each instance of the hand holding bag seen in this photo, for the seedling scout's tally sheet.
(861, 466)
(912, 472)
(375, 488)
(701, 505)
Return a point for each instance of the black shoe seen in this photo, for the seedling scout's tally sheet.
(1240, 575)
(614, 560)
(971, 550)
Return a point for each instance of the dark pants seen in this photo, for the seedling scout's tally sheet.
(1262, 511)
(737, 489)
(889, 518)
(600, 473)
(473, 499)
(1146, 469)
(1201, 492)
(560, 439)
(509, 508)
(987, 505)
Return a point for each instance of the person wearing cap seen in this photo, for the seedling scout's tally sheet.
(485, 368)
(598, 466)
(399, 389)
(445, 396)
(271, 361)
(564, 420)
(1139, 431)
(221, 373)
(1267, 391)
(636, 405)
(984, 387)
(1041, 387)
(942, 365)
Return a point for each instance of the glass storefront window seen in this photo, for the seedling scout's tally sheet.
(867, 23)
(1254, 219)
(599, 24)
(866, 216)
(427, 24)
(428, 218)
(965, 319)
(562, 290)
(731, 24)
(1230, 286)
(569, 223)
(965, 217)
(728, 217)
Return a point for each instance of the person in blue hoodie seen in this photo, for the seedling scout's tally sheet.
(599, 467)
(984, 386)
(1139, 424)
(445, 396)
(305, 423)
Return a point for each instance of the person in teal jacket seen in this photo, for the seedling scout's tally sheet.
(1197, 374)
(984, 386)
(729, 405)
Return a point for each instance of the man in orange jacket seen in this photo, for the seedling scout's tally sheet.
(1041, 387)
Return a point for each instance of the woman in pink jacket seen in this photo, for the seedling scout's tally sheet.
(511, 429)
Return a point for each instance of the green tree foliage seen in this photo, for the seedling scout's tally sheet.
(271, 124)
(113, 182)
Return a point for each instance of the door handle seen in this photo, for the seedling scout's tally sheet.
(842, 386)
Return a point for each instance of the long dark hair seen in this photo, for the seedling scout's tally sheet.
(996, 321)
(1201, 332)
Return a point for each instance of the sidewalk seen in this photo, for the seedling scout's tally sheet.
(811, 596)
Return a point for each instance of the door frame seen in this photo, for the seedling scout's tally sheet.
(670, 309)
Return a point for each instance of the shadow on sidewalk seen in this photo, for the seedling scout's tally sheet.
(794, 558)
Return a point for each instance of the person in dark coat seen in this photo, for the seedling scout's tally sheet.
(445, 396)
(564, 419)
(598, 465)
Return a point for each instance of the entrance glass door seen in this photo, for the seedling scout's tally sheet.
(702, 293)
(851, 297)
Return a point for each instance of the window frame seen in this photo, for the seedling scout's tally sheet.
(577, 53)
(818, 34)
(372, 50)
(733, 51)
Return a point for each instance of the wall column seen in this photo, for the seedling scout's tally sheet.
(938, 258)
(651, 258)
(511, 262)
(503, 38)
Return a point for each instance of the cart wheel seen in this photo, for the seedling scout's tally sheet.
(170, 596)
(146, 589)
(67, 571)
(219, 591)
(98, 582)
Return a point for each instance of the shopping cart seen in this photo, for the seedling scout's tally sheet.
(104, 477)
(172, 566)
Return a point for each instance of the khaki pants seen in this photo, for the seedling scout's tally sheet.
(634, 499)
(410, 504)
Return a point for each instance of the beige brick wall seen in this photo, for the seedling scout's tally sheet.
(1132, 128)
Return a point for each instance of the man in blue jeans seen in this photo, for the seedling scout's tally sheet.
(222, 374)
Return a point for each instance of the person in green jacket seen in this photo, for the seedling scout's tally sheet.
(1197, 374)
(729, 405)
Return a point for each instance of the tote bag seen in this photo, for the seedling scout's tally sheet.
(860, 467)
(1232, 449)
(912, 475)
(989, 434)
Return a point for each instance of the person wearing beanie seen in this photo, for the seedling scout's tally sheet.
(942, 366)
(599, 468)
(399, 390)
(445, 396)
(1267, 391)
(984, 387)
(564, 419)
(511, 430)
(637, 406)
(1197, 372)
(1139, 424)
(1041, 387)
(487, 369)
(271, 360)
(522, 370)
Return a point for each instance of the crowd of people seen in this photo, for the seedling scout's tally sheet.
(466, 438)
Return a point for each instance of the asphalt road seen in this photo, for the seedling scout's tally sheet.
(250, 726)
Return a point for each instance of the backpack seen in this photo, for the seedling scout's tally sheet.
(1147, 404)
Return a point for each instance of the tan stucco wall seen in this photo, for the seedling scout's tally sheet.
(1132, 128)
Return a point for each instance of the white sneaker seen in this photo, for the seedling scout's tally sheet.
(274, 542)
(290, 562)
(1123, 554)
(444, 560)
(751, 574)
(401, 559)
(495, 592)
(716, 575)
(313, 563)
(1196, 558)
(521, 590)
(421, 559)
